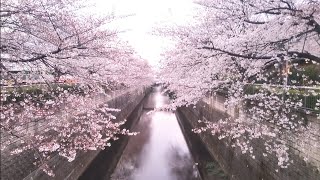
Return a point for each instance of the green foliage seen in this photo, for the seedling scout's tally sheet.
(308, 97)
(213, 169)
(304, 75)
(251, 89)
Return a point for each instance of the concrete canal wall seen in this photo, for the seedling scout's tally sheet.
(84, 166)
(243, 167)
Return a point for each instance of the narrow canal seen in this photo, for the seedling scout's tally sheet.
(159, 151)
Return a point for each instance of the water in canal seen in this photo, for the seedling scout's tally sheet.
(159, 151)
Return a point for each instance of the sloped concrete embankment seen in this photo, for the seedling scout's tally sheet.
(93, 164)
(243, 167)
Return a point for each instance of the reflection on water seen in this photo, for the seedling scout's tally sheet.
(159, 152)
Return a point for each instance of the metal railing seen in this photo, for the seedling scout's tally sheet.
(308, 95)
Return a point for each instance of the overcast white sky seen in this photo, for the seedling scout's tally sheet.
(147, 14)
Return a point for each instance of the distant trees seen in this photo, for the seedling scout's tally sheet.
(236, 44)
(56, 36)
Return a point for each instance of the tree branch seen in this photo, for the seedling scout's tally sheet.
(253, 22)
(247, 56)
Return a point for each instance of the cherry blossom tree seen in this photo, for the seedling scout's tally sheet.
(248, 49)
(56, 38)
